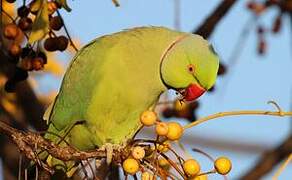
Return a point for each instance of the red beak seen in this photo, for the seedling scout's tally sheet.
(193, 91)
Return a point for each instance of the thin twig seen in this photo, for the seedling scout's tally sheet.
(25, 174)
(208, 26)
(67, 32)
(83, 167)
(236, 113)
(36, 173)
(91, 169)
(177, 15)
(277, 107)
(203, 153)
(173, 164)
(116, 3)
(19, 167)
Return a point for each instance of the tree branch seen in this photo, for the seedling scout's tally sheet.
(237, 113)
(208, 26)
(28, 143)
(269, 160)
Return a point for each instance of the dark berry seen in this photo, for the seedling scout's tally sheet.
(15, 50)
(10, 31)
(37, 63)
(25, 52)
(222, 69)
(262, 47)
(26, 64)
(56, 23)
(22, 11)
(271, 2)
(277, 24)
(286, 6)
(25, 23)
(20, 75)
(10, 1)
(14, 60)
(168, 112)
(51, 44)
(194, 105)
(261, 30)
(10, 86)
(251, 5)
(43, 56)
(211, 89)
(62, 43)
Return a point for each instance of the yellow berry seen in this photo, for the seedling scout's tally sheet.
(52, 7)
(15, 50)
(11, 31)
(201, 177)
(175, 131)
(179, 105)
(164, 147)
(161, 128)
(147, 176)
(191, 167)
(138, 152)
(163, 163)
(222, 165)
(148, 118)
(131, 166)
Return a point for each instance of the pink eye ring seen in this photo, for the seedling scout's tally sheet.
(191, 68)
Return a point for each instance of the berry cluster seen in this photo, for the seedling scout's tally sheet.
(31, 56)
(258, 8)
(151, 158)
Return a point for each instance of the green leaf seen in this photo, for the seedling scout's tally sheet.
(64, 4)
(40, 26)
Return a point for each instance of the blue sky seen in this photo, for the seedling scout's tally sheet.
(254, 81)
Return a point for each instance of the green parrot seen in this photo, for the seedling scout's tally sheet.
(114, 78)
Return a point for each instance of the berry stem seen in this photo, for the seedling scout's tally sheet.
(203, 153)
(67, 32)
(173, 164)
(237, 113)
(116, 3)
(184, 149)
(208, 172)
(7, 14)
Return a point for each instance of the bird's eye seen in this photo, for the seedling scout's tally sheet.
(191, 68)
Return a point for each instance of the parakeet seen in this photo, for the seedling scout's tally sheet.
(114, 78)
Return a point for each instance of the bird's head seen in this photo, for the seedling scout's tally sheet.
(190, 66)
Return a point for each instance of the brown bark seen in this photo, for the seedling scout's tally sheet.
(210, 23)
(269, 160)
